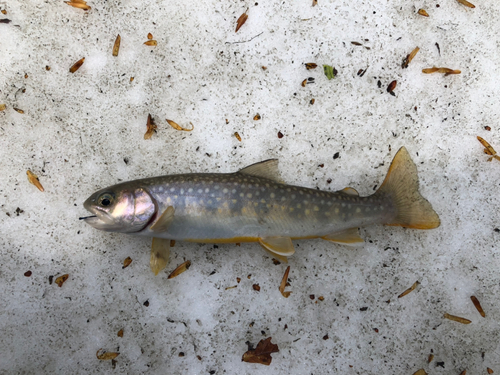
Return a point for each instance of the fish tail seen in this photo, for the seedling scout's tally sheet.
(401, 186)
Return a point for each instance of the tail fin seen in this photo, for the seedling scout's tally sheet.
(401, 185)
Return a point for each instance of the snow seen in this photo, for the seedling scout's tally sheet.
(84, 131)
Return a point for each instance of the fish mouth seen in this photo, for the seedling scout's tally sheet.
(98, 219)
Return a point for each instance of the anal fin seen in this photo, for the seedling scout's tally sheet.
(160, 252)
(348, 237)
(163, 222)
(282, 246)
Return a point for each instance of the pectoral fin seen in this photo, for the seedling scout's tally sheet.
(162, 223)
(160, 252)
(281, 258)
(349, 191)
(348, 237)
(278, 245)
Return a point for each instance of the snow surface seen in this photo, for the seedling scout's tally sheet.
(84, 131)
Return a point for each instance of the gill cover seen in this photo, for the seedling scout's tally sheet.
(118, 209)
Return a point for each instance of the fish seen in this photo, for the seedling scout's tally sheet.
(255, 205)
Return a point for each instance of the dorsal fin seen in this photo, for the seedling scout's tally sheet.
(265, 169)
(349, 191)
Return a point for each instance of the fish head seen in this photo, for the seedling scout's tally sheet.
(120, 209)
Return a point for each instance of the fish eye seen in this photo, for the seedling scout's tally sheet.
(105, 199)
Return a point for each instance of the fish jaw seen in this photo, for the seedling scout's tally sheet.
(100, 220)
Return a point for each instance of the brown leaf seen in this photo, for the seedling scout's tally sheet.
(488, 150)
(182, 268)
(33, 179)
(256, 287)
(120, 333)
(410, 57)
(315, 2)
(237, 136)
(423, 12)
(106, 356)
(256, 117)
(280, 134)
(127, 262)
(19, 111)
(490, 371)
(2, 107)
(304, 83)
(463, 372)
(4, 11)
(150, 36)
(457, 318)
(172, 243)
(151, 43)
(262, 353)
(312, 101)
(27, 273)
(466, 3)
(5, 20)
(476, 303)
(178, 127)
(420, 372)
(310, 66)
(116, 47)
(392, 86)
(243, 18)
(151, 128)
(409, 289)
(283, 283)
(77, 65)
(61, 279)
(430, 358)
(79, 4)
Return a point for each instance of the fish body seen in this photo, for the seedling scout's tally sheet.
(253, 204)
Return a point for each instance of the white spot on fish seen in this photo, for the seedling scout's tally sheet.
(358, 210)
(172, 189)
(216, 187)
(299, 205)
(182, 191)
(249, 195)
(293, 196)
(225, 191)
(262, 201)
(337, 210)
(160, 189)
(272, 195)
(291, 209)
(283, 198)
(200, 191)
(209, 201)
(316, 208)
(218, 199)
(176, 196)
(307, 212)
(233, 191)
(367, 209)
(242, 195)
(343, 204)
(190, 190)
(207, 190)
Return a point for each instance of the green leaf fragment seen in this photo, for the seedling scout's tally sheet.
(330, 71)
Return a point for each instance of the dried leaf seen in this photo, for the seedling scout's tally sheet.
(151, 43)
(33, 179)
(488, 150)
(5, 20)
(106, 356)
(457, 319)
(420, 372)
(431, 357)
(392, 86)
(150, 36)
(243, 18)
(321, 298)
(466, 3)
(356, 43)
(446, 71)
(284, 280)
(409, 289)
(315, 2)
(312, 101)
(476, 303)
(4, 11)
(77, 65)
(280, 134)
(237, 136)
(490, 371)
(151, 128)
(408, 58)
(182, 268)
(120, 333)
(463, 372)
(178, 127)
(61, 279)
(310, 66)
(127, 262)
(172, 243)
(304, 83)
(330, 71)
(131, 79)
(27, 273)
(262, 353)
(256, 287)
(256, 117)
(422, 12)
(79, 4)
(2, 107)
(116, 47)
(231, 287)
(19, 111)
(47, 68)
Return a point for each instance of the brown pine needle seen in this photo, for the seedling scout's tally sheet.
(488, 149)
(284, 281)
(151, 128)
(446, 71)
(457, 319)
(106, 356)
(241, 21)
(466, 3)
(182, 268)
(409, 57)
(410, 289)
(33, 179)
(176, 126)
(79, 4)
(151, 43)
(116, 47)
(77, 65)
(476, 303)
(423, 12)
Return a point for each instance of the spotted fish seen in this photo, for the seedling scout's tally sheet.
(255, 205)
